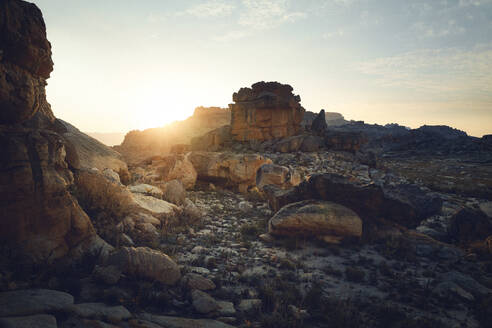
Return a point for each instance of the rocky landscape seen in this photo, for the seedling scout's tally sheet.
(260, 215)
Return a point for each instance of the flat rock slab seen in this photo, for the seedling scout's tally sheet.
(176, 322)
(100, 311)
(155, 205)
(32, 321)
(33, 301)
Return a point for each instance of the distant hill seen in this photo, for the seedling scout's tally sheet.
(109, 139)
(157, 141)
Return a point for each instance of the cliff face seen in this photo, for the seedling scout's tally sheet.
(25, 61)
(267, 110)
(38, 215)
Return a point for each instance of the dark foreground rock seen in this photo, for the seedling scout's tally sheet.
(405, 205)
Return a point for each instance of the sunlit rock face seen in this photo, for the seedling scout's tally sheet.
(139, 145)
(267, 110)
(38, 215)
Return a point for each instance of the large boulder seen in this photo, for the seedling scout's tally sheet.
(231, 169)
(407, 205)
(326, 220)
(281, 176)
(146, 263)
(174, 167)
(266, 111)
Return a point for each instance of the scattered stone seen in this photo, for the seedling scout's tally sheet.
(249, 305)
(203, 303)
(175, 322)
(146, 263)
(100, 311)
(196, 281)
(226, 309)
(244, 206)
(33, 301)
(33, 321)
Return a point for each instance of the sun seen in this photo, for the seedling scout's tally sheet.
(158, 109)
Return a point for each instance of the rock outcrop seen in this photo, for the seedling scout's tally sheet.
(319, 123)
(38, 215)
(266, 111)
(328, 221)
(25, 61)
(227, 168)
(86, 152)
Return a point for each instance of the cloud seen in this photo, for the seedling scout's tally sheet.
(231, 36)
(334, 34)
(437, 30)
(452, 70)
(476, 3)
(211, 8)
(266, 14)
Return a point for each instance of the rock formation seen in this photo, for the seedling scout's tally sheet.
(406, 205)
(86, 152)
(267, 110)
(230, 169)
(319, 123)
(25, 61)
(38, 215)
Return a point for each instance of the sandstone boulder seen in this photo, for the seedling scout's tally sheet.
(325, 220)
(281, 176)
(407, 205)
(174, 167)
(231, 169)
(146, 263)
(266, 111)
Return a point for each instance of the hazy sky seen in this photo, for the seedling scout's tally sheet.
(127, 64)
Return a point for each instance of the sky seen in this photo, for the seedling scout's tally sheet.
(123, 64)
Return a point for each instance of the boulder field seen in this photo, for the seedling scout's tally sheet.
(272, 218)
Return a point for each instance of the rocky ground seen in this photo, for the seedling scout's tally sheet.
(233, 274)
